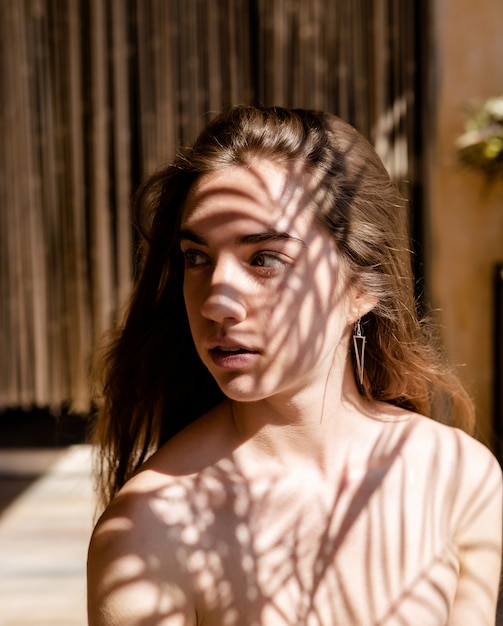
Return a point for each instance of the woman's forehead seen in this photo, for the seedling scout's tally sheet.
(263, 190)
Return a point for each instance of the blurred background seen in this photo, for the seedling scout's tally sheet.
(95, 94)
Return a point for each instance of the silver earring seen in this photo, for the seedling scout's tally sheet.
(359, 341)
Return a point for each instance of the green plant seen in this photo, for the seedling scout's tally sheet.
(480, 147)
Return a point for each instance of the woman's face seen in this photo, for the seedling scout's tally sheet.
(265, 289)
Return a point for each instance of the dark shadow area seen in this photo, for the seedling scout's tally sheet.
(39, 428)
(30, 441)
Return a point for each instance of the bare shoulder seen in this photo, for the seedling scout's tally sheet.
(134, 570)
(462, 471)
(468, 480)
(455, 448)
(140, 561)
(423, 435)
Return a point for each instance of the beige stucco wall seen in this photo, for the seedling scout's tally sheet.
(464, 222)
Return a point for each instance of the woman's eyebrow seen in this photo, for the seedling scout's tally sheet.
(186, 233)
(267, 235)
(252, 238)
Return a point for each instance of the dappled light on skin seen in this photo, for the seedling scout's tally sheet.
(377, 550)
(295, 314)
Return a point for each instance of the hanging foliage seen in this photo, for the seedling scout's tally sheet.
(480, 147)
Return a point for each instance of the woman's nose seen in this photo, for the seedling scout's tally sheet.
(225, 298)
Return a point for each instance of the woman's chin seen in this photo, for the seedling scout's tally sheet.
(243, 388)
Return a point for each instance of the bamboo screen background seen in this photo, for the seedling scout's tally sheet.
(97, 93)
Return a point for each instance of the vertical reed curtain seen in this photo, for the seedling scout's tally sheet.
(95, 94)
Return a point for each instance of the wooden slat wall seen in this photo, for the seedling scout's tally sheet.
(98, 93)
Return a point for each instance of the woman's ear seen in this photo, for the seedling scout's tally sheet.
(361, 304)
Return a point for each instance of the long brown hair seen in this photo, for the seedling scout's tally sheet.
(153, 383)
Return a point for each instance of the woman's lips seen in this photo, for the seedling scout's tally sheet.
(232, 357)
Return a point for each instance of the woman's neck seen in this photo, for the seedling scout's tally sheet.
(309, 425)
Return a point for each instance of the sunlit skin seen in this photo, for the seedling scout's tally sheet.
(294, 502)
(260, 276)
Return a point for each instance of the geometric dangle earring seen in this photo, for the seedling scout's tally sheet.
(359, 341)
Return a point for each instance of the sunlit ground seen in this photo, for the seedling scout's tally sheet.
(45, 522)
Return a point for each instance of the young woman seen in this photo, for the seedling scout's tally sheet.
(278, 436)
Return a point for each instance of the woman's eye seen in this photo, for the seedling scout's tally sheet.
(267, 259)
(193, 258)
